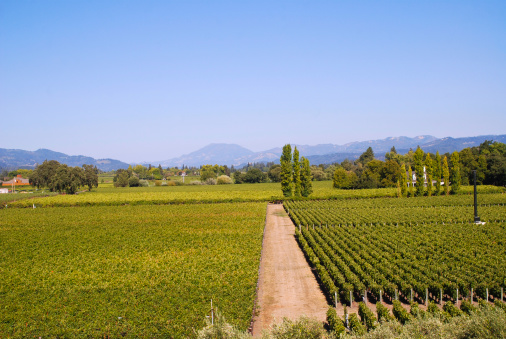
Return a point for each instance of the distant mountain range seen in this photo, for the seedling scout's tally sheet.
(16, 158)
(232, 154)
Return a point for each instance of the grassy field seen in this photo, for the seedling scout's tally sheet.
(127, 271)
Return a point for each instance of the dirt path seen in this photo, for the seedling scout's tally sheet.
(286, 285)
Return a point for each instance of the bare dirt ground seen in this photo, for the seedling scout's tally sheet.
(286, 285)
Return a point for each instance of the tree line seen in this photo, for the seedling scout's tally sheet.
(62, 178)
(430, 170)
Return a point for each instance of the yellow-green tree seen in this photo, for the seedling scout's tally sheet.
(418, 160)
(455, 172)
(446, 175)
(428, 170)
(437, 173)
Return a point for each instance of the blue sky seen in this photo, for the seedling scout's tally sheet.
(151, 80)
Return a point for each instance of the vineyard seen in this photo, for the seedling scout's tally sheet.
(414, 249)
(110, 196)
(127, 271)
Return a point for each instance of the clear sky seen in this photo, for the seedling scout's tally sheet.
(151, 80)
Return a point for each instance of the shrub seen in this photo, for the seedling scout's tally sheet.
(499, 304)
(415, 310)
(196, 182)
(367, 316)
(133, 181)
(158, 183)
(383, 312)
(467, 307)
(355, 325)
(451, 309)
(210, 181)
(303, 328)
(400, 313)
(224, 180)
(171, 183)
(334, 322)
(143, 183)
(221, 329)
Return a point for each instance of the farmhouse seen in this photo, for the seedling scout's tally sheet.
(412, 182)
(17, 181)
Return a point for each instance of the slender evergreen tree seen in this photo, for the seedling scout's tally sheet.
(455, 173)
(403, 181)
(410, 181)
(437, 173)
(446, 175)
(296, 173)
(305, 176)
(286, 170)
(429, 170)
(418, 160)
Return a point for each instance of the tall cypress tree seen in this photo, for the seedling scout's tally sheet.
(410, 181)
(305, 175)
(437, 173)
(286, 170)
(428, 170)
(418, 160)
(296, 173)
(455, 172)
(403, 180)
(446, 175)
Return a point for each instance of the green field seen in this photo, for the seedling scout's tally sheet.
(127, 271)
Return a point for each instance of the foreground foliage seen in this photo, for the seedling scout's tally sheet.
(485, 323)
(128, 271)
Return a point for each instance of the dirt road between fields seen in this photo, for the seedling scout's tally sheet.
(286, 285)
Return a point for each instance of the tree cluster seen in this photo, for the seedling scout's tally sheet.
(62, 178)
(295, 174)
(398, 171)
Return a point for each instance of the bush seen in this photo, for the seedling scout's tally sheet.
(383, 312)
(467, 307)
(303, 328)
(367, 316)
(158, 183)
(220, 330)
(334, 322)
(143, 183)
(499, 304)
(400, 313)
(196, 182)
(415, 310)
(210, 181)
(355, 325)
(224, 180)
(133, 181)
(171, 183)
(452, 310)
